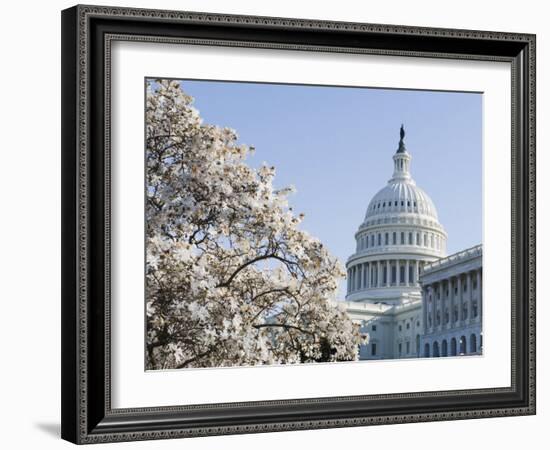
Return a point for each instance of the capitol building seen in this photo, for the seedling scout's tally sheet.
(405, 292)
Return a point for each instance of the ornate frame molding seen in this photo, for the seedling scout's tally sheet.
(88, 31)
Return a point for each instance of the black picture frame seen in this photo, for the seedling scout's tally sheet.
(87, 416)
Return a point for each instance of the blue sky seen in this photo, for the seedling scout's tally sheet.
(335, 145)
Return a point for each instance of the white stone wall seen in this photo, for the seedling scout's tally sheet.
(452, 305)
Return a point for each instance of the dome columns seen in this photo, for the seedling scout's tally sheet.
(383, 273)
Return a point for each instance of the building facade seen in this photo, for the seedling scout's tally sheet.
(452, 305)
(399, 238)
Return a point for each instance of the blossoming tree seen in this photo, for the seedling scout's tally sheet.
(231, 278)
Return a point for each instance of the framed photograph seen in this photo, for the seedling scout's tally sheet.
(281, 224)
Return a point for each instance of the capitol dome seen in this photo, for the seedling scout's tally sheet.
(400, 233)
(398, 197)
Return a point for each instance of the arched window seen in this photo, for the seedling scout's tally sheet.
(436, 350)
(462, 346)
(418, 345)
(426, 350)
(453, 347)
(444, 348)
(473, 343)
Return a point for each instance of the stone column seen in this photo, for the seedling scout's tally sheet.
(425, 292)
(398, 272)
(470, 295)
(378, 277)
(434, 306)
(451, 304)
(480, 294)
(388, 274)
(371, 268)
(349, 280)
(443, 303)
(417, 271)
(460, 296)
(407, 272)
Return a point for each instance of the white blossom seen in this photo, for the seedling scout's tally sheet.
(231, 279)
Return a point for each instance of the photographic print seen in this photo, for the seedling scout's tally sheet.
(291, 224)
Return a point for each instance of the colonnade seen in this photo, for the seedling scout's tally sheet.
(383, 273)
(451, 303)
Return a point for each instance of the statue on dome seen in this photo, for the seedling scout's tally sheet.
(401, 148)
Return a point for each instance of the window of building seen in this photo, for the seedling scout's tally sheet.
(402, 238)
(408, 326)
(417, 238)
(373, 349)
(474, 284)
(400, 347)
(374, 328)
(394, 238)
(410, 238)
(387, 238)
(425, 240)
(372, 240)
(417, 323)
(408, 347)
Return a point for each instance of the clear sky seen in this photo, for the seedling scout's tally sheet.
(335, 145)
